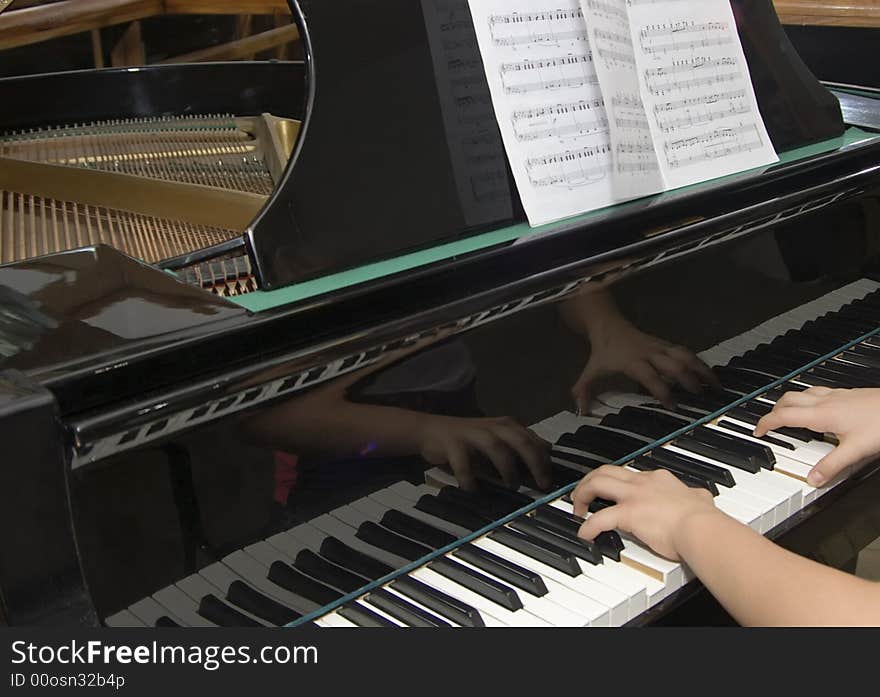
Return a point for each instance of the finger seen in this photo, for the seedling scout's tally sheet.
(605, 470)
(603, 521)
(819, 391)
(693, 363)
(582, 392)
(833, 464)
(535, 457)
(801, 417)
(459, 461)
(798, 399)
(596, 486)
(502, 457)
(675, 370)
(645, 374)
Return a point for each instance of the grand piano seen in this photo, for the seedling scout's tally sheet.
(364, 405)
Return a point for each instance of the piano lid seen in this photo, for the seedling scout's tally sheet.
(400, 149)
(66, 310)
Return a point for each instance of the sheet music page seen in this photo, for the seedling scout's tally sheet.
(636, 170)
(476, 151)
(697, 91)
(546, 97)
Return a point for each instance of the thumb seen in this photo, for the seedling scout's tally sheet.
(603, 521)
(832, 464)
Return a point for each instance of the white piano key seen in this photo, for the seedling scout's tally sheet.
(334, 620)
(197, 587)
(806, 453)
(562, 589)
(149, 611)
(256, 574)
(520, 618)
(749, 491)
(549, 608)
(182, 606)
(125, 619)
(616, 602)
(488, 621)
(667, 572)
(623, 594)
(374, 511)
(378, 611)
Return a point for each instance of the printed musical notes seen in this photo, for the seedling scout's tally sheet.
(695, 83)
(545, 90)
(602, 101)
(636, 171)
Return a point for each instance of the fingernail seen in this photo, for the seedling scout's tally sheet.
(816, 478)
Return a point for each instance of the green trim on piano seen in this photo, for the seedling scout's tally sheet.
(261, 301)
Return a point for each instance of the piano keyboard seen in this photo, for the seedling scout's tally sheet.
(533, 570)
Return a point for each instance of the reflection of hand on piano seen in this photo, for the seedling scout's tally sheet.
(619, 348)
(852, 415)
(653, 506)
(455, 441)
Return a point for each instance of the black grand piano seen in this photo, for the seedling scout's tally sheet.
(331, 412)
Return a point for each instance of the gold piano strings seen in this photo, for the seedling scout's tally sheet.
(75, 199)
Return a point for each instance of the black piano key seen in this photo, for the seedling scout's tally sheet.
(215, 610)
(582, 462)
(646, 464)
(609, 543)
(677, 462)
(538, 550)
(165, 621)
(363, 617)
(489, 588)
(403, 611)
(601, 441)
(439, 602)
(242, 595)
(582, 549)
(289, 578)
(726, 455)
(349, 558)
(859, 358)
(380, 537)
(706, 444)
(512, 500)
(514, 574)
(486, 506)
(473, 581)
(709, 400)
(322, 570)
(752, 412)
(456, 515)
(663, 424)
(730, 426)
(421, 532)
(751, 452)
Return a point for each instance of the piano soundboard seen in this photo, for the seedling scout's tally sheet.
(522, 563)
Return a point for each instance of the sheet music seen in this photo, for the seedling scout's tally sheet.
(636, 170)
(696, 88)
(546, 97)
(476, 151)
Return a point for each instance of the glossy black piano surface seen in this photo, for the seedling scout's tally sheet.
(172, 436)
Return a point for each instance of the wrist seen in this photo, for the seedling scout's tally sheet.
(694, 529)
